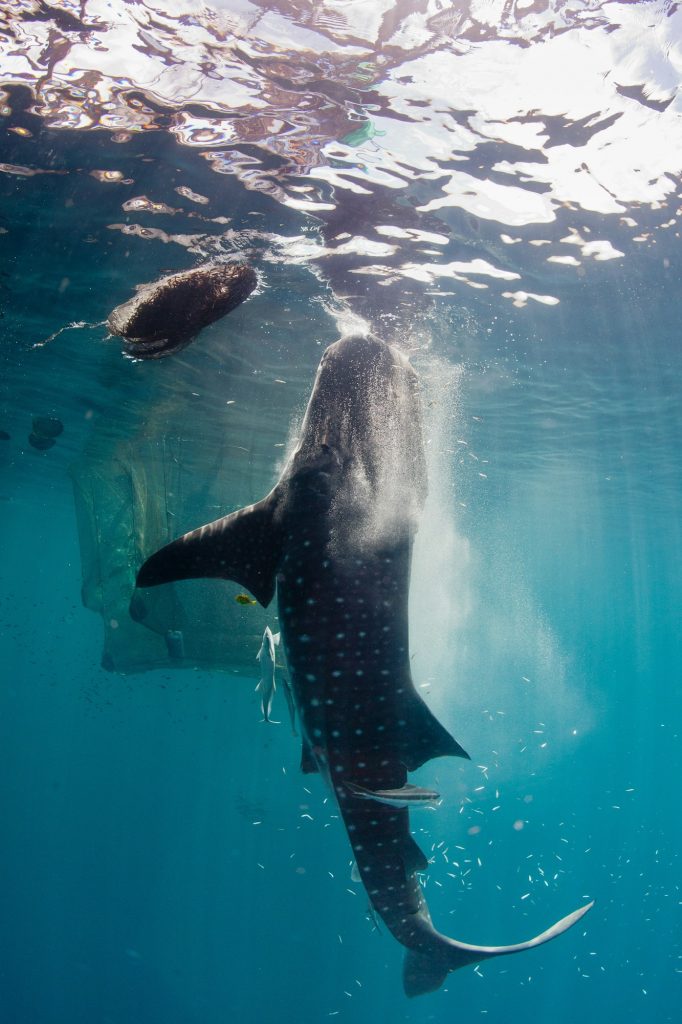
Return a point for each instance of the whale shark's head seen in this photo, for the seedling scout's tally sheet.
(361, 446)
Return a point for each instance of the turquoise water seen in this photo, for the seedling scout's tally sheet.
(163, 858)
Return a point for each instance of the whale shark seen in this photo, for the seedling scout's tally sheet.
(334, 539)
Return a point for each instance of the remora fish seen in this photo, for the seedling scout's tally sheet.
(407, 796)
(335, 537)
(266, 660)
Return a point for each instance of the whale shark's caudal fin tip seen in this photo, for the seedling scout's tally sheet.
(426, 971)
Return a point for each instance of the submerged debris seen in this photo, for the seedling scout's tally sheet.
(244, 599)
(175, 643)
(166, 315)
(41, 443)
(45, 430)
(4, 436)
(47, 426)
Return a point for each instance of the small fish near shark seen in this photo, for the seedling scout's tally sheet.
(334, 538)
(406, 796)
(266, 659)
(267, 684)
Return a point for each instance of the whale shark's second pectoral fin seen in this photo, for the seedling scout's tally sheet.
(244, 546)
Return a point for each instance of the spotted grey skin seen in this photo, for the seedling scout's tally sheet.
(165, 316)
(335, 538)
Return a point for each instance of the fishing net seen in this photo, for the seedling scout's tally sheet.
(136, 494)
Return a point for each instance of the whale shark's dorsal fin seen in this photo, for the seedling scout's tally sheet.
(244, 546)
(424, 737)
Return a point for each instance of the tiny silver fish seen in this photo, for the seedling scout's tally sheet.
(267, 685)
(372, 918)
(406, 796)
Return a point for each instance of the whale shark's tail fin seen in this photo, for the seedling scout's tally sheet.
(426, 970)
(244, 546)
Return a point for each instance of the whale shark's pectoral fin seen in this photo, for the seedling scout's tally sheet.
(244, 546)
(424, 971)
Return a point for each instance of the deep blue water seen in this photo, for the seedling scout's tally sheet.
(162, 857)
